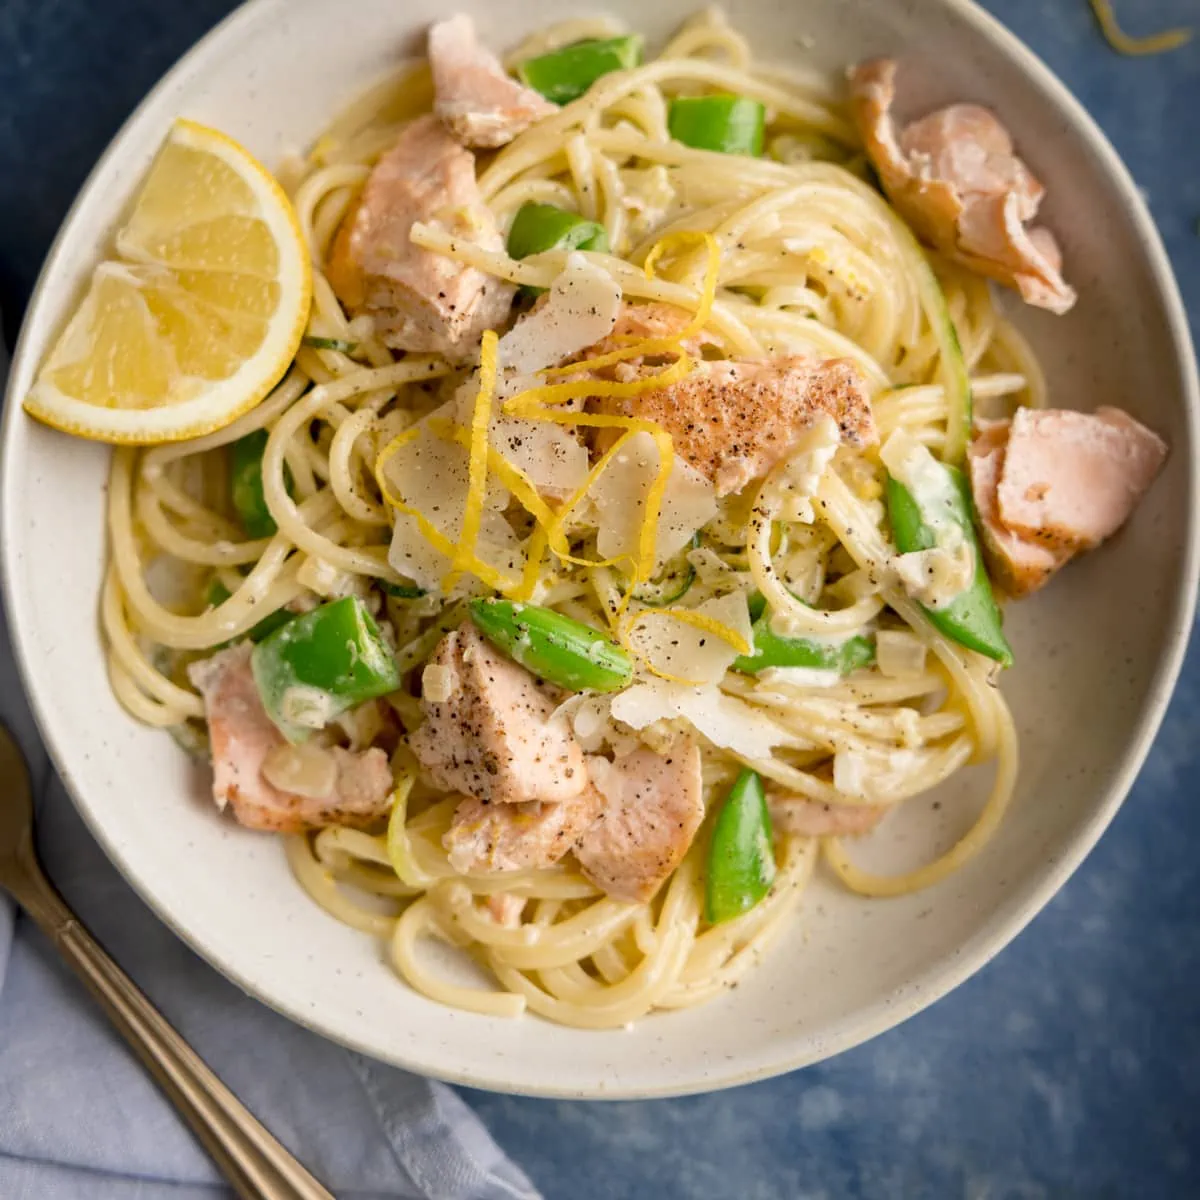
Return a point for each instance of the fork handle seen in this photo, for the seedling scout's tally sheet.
(256, 1165)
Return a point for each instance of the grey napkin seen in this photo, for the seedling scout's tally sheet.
(80, 1120)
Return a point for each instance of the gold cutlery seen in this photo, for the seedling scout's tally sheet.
(256, 1165)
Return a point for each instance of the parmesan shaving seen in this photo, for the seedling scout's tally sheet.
(477, 461)
(580, 310)
(616, 502)
(431, 476)
(724, 720)
(695, 646)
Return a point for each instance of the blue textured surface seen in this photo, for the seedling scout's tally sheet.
(1068, 1068)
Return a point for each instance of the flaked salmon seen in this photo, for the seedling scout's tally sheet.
(638, 322)
(517, 837)
(733, 421)
(495, 737)
(803, 817)
(242, 736)
(1071, 479)
(1019, 565)
(419, 300)
(956, 179)
(1051, 483)
(473, 97)
(652, 806)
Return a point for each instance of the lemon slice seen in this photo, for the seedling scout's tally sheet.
(198, 314)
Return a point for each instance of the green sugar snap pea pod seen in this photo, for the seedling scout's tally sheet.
(741, 861)
(564, 75)
(973, 617)
(321, 664)
(556, 648)
(727, 124)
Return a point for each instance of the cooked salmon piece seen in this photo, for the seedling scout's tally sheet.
(1071, 479)
(956, 179)
(637, 322)
(473, 97)
(803, 817)
(652, 806)
(517, 837)
(420, 300)
(242, 736)
(1051, 483)
(1019, 565)
(733, 421)
(495, 738)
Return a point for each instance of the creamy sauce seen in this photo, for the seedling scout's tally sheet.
(938, 576)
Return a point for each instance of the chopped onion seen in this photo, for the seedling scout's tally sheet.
(438, 683)
(899, 654)
(326, 580)
(799, 677)
(797, 482)
(305, 770)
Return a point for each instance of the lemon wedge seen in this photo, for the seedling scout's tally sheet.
(199, 312)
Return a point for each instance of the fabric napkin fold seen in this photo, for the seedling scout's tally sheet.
(81, 1120)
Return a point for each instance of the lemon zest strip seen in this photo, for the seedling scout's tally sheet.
(644, 347)
(430, 532)
(477, 463)
(1123, 43)
(526, 494)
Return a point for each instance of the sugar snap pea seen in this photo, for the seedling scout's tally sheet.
(554, 647)
(741, 861)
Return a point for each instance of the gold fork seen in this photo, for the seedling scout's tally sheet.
(255, 1164)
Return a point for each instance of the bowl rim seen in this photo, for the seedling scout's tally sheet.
(942, 976)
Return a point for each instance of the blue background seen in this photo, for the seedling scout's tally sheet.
(1070, 1067)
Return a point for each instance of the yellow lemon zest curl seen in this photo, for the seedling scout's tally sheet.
(1123, 43)
(511, 477)
(543, 403)
(481, 417)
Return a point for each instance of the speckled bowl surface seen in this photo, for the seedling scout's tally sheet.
(1097, 654)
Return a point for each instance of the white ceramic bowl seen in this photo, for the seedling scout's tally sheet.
(1097, 653)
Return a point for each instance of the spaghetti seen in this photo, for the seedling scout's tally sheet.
(790, 253)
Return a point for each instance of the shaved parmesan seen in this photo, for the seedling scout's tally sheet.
(431, 475)
(617, 502)
(550, 456)
(579, 311)
(724, 720)
(669, 645)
